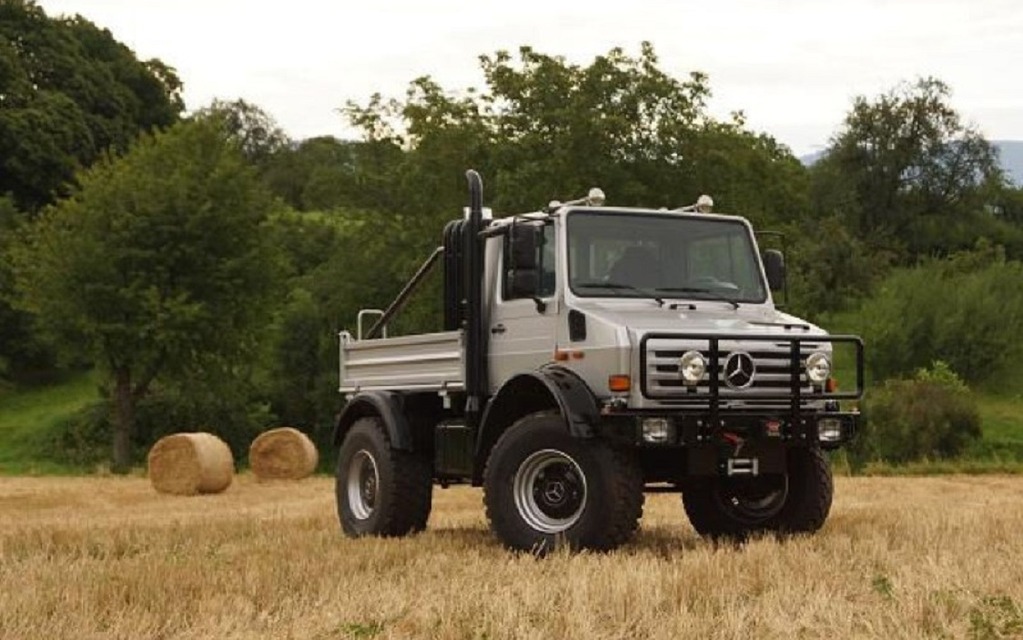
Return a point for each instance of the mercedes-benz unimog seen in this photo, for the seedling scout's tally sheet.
(591, 354)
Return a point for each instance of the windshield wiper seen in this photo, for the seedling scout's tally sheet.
(619, 286)
(717, 295)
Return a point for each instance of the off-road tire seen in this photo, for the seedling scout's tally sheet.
(613, 480)
(810, 492)
(403, 488)
(806, 504)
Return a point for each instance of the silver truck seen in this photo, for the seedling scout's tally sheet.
(592, 354)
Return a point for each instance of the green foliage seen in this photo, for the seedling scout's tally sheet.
(157, 266)
(82, 440)
(933, 415)
(1009, 205)
(159, 255)
(966, 310)
(941, 374)
(318, 174)
(829, 268)
(68, 93)
(546, 129)
(250, 128)
(24, 357)
(303, 371)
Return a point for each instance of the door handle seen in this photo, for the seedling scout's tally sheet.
(498, 328)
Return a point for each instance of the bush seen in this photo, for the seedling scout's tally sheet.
(85, 439)
(931, 416)
(966, 310)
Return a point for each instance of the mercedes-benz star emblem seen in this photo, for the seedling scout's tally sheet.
(740, 370)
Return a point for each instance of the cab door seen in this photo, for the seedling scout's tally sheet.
(523, 313)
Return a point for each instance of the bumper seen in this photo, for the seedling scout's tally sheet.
(826, 429)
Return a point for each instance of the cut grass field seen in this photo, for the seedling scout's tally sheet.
(111, 558)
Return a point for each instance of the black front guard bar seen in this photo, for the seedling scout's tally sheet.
(710, 419)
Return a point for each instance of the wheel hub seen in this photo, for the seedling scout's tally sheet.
(362, 484)
(554, 493)
(550, 491)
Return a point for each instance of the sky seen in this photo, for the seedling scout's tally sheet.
(792, 66)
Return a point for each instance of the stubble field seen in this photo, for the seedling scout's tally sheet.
(108, 557)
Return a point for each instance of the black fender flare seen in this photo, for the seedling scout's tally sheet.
(575, 400)
(387, 406)
(550, 387)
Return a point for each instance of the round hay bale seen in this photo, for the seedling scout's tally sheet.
(189, 463)
(282, 454)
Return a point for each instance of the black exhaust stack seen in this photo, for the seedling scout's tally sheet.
(476, 384)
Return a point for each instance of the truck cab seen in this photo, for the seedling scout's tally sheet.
(591, 354)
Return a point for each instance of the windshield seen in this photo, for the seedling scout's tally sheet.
(673, 256)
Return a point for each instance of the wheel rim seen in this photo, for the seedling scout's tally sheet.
(550, 491)
(363, 484)
(751, 502)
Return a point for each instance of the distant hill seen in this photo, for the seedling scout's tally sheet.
(1010, 152)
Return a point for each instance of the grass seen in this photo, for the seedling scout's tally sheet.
(27, 416)
(1002, 417)
(110, 558)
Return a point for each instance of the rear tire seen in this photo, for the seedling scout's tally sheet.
(543, 487)
(380, 491)
(796, 502)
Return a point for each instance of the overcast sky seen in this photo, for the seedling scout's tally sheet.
(793, 66)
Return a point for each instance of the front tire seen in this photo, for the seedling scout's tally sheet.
(795, 502)
(380, 491)
(543, 487)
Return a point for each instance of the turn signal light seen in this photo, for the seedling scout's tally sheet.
(831, 385)
(562, 355)
(619, 383)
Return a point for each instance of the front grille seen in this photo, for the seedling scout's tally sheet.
(772, 383)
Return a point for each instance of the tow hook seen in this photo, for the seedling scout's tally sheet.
(742, 467)
(736, 466)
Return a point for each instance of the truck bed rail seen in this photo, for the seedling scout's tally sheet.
(425, 362)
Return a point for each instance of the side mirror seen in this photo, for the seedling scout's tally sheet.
(523, 283)
(524, 246)
(524, 264)
(774, 267)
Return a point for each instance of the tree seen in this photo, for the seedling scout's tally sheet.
(254, 130)
(317, 174)
(910, 165)
(156, 266)
(829, 268)
(68, 93)
(547, 129)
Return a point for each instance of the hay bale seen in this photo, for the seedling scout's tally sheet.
(190, 463)
(282, 454)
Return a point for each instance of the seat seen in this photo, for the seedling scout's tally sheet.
(637, 267)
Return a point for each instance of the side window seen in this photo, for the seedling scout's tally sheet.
(536, 273)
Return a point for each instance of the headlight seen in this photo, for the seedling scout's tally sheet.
(657, 430)
(692, 366)
(829, 430)
(818, 367)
